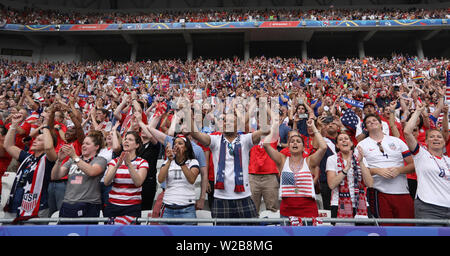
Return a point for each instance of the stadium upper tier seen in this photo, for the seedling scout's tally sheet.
(34, 16)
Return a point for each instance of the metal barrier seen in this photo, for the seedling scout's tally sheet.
(250, 221)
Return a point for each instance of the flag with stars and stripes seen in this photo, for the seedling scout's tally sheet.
(350, 120)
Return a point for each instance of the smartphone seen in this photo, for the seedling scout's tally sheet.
(303, 116)
(328, 119)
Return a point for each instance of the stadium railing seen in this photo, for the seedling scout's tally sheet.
(250, 221)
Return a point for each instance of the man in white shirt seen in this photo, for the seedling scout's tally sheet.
(231, 153)
(386, 157)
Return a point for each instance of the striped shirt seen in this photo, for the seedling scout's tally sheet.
(123, 191)
(298, 184)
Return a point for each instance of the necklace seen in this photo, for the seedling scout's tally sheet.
(295, 169)
(441, 169)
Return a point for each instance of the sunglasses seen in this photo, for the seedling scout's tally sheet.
(380, 147)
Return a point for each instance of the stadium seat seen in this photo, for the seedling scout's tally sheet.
(324, 214)
(7, 182)
(319, 201)
(54, 215)
(203, 214)
(267, 214)
(146, 214)
(101, 216)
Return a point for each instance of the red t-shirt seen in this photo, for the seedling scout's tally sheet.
(211, 163)
(260, 162)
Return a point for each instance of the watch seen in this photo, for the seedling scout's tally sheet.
(76, 160)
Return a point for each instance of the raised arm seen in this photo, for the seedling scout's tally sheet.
(10, 138)
(314, 159)
(411, 141)
(49, 147)
(202, 138)
(276, 156)
(445, 122)
(392, 125)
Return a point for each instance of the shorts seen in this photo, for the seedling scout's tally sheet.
(389, 206)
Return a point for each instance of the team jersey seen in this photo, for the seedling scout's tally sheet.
(124, 192)
(179, 190)
(395, 150)
(433, 177)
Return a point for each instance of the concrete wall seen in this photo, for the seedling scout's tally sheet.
(50, 50)
(164, 4)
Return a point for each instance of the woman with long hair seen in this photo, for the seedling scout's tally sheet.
(179, 172)
(82, 197)
(347, 177)
(296, 173)
(432, 166)
(126, 173)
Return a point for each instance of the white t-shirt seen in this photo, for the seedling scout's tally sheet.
(178, 189)
(228, 192)
(395, 150)
(332, 166)
(431, 188)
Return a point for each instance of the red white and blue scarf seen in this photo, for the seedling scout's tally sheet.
(345, 207)
(238, 171)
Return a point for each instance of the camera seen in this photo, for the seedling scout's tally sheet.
(328, 119)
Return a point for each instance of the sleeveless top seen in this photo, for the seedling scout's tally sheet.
(299, 184)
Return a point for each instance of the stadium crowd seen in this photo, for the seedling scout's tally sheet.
(84, 138)
(35, 16)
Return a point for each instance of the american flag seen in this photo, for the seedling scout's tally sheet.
(127, 121)
(288, 179)
(298, 184)
(33, 117)
(76, 180)
(350, 120)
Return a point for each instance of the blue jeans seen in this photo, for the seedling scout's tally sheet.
(56, 191)
(185, 212)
